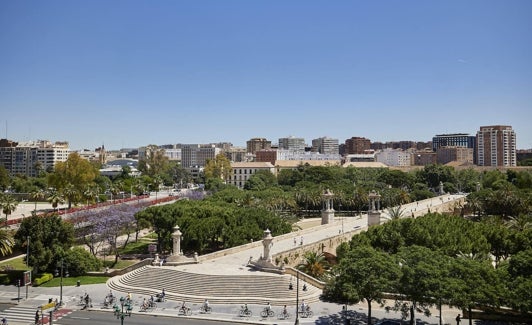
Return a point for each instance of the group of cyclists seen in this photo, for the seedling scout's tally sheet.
(304, 311)
(183, 309)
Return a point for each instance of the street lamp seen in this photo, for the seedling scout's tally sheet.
(119, 311)
(62, 273)
(291, 287)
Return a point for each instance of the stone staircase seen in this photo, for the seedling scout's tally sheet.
(180, 286)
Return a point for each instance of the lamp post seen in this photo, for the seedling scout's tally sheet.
(291, 287)
(62, 273)
(119, 311)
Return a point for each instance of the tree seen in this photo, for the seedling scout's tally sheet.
(55, 198)
(50, 238)
(155, 161)
(37, 195)
(314, 264)
(72, 177)
(363, 274)
(423, 279)
(6, 242)
(518, 279)
(219, 167)
(471, 283)
(8, 205)
(4, 179)
(261, 180)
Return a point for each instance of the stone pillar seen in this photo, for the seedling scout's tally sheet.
(441, 192)
(267, 243)
(327, 214)
(176, 236)
(374, 215)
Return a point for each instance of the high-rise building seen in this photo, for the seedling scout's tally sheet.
(30, 158)
(496, 146)
(292, 143)
(255, 144)
(325, 145)
(357, 145)
(196, 155)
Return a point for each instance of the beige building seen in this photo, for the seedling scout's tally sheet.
(445, 155)
(30, 158)
(496, 146)
(242, 171)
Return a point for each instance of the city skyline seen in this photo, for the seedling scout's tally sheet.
(132, 73)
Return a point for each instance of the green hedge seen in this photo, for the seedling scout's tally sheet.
(45, 277)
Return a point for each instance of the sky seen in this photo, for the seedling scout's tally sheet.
(131, 73)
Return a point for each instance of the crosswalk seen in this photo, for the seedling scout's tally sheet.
(26, 315)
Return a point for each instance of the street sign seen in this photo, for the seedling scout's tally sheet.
(27, 278)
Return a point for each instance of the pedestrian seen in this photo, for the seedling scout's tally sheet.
(301, 241)
(458, 319)
(295, 241)
(37, 316)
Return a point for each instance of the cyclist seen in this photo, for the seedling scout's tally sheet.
(4, 321)
(285, 311)
(184, 306)
(268, 307)
(206, 304)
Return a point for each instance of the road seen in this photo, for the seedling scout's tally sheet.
(94, 317)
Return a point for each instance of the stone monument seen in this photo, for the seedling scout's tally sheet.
(264, 263)
(177, 256)
(374, 215)
(327, 214)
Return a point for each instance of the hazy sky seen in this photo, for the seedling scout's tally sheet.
(132, 73)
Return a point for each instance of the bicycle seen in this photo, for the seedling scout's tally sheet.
(284, 315)
(245, 312)
(186, 311)
(266, 312)
(306, 313)
(205, 309)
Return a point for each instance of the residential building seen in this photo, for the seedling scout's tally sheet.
(29, 158)
(306, 155)
(394, 157)
(357, 145)
(266, 155)
(496, 146)
(445, 155)
(238, 154)
(292, 143)
(242, 171)
(424, 157)
(325, 145)
(255, 144)
(196, 155)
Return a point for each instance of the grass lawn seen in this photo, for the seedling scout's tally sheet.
(55, 282)
(16, 264)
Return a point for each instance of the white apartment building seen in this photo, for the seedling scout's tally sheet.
(196, 155)
(393, 157)
(298, 155)
(242, 171)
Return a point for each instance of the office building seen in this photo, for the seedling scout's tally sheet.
(292, 143)
(325, 145)
(462, 140)
(196, 155)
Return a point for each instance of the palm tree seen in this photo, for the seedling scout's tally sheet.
(520, 223)
(55, 199)
(6, 242)
(314, 264)
(36, 196)
(71, 194)
(8, 205)
(396, 212)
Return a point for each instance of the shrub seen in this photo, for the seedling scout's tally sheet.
(45, 277)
